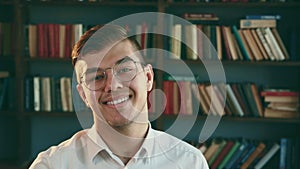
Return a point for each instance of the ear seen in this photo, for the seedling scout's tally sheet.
(82, 94)
(150, 76)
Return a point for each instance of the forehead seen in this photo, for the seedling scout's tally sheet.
(110, 55)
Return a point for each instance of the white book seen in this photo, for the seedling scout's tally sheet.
(265, 44)
(36, 94)
(176, 40)
(63, 92)
(267, 156)
(273, 44)
(77, 28)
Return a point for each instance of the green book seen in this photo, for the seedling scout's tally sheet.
(230, 153)
(216, 153)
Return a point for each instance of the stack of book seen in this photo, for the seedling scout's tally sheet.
(281, 103)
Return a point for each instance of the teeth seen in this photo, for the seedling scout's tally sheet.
(118, 101)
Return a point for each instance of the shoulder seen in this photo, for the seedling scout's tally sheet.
(54, 154)
(182, 152)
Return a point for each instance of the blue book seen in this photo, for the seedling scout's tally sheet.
(283, 153)
(242, 148)
(277, 17)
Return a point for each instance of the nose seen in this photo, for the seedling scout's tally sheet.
(112, 83)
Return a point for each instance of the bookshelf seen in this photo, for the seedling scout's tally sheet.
(36, 131)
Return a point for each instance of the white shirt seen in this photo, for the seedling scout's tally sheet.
(86, 150)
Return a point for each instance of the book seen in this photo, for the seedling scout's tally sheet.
(244, 144)
(284, 99)
(273, 113)
(272, 17)
(252, 44)
(230, 154)
(280, 43)
(250, 149)
(265, 43)
(240, 98)
(176, 41)
(226, 43)
(250, 99)
(278, 92)
(36, 93)
(257, 99)
(28, 93)
(232, 48)
(234, 100)
(215, 143)
(260, 164)
(257, 23)
(216, 153)
(3, 91)
(273, 44)
(222, 154)
(46, 94)
(191, 41)
(259, 44)
(33, 39)
(259, 148)
(283, 153)
(240, 42)
(284, 106)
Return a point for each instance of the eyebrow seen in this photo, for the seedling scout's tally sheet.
(95, 69)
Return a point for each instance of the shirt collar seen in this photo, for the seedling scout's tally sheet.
(96, 144)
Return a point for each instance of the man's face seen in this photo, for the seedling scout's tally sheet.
(119, 103)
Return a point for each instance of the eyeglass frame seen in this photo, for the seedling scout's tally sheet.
(126, 58)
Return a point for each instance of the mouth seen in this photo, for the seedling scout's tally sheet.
(117, 101)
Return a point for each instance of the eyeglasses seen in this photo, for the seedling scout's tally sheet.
(124, 70)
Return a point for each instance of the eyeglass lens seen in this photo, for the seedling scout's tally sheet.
(124, 71)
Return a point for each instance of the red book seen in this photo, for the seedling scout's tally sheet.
(46, 40)
(56, 40)
(279, 93)
(68, 41)
(226, 44)
(51, 36)
(40, 30)
(168, 101)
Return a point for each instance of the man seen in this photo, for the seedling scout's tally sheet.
(113, 81)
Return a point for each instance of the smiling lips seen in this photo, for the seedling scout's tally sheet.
(117, 101)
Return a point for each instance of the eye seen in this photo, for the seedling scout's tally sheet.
(124, 70)
(99, 77)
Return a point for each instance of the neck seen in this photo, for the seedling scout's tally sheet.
(123, 141)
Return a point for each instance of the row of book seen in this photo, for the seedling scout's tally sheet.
(52, 40)
(255, 40)
(232, 99)
(6, 39)
(48, 94)
(245, 153)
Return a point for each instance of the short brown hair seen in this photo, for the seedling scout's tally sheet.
(97, 40)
